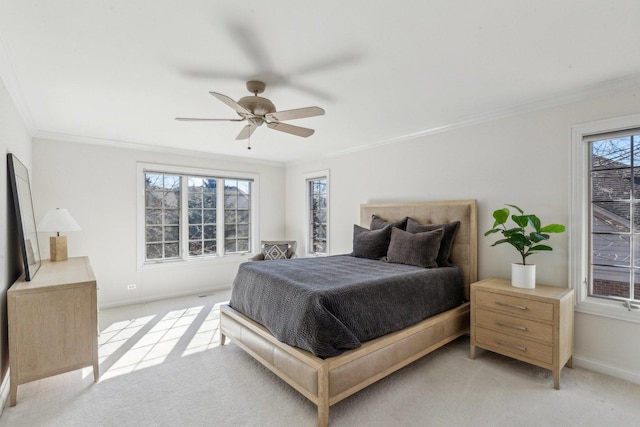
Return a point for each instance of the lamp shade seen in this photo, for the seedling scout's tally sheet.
(58, 220)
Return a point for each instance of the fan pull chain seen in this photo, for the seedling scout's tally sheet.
(249, 143)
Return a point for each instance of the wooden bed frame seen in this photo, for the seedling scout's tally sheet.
(328, 381)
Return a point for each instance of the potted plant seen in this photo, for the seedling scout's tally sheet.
(526, 236)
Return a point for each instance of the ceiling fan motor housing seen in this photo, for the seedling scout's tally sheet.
(258, 105)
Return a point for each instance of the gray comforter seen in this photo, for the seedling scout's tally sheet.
(330, 304)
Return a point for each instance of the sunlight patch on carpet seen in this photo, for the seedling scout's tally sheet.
(128, 346)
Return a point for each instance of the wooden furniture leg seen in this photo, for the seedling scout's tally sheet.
(570, 362)
(323, 397)
(13, 389)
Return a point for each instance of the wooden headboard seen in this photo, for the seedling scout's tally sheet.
(465, 246)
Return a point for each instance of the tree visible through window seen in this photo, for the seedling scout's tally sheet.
(317, 215)
(186, 217)
(615, 217)
(237, 205)
(162, 216)
(202, 216)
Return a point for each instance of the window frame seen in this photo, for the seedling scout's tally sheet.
(309, 176)
(579, 219)
(186, 171)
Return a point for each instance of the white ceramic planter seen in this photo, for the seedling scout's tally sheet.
(523, 276)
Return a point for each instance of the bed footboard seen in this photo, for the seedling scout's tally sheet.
(327, 381)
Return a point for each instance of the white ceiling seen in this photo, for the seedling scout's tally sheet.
(120, 71)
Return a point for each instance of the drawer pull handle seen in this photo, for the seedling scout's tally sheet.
(508, 325)
(506, 344)
(504, 304)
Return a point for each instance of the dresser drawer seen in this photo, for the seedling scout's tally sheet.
(531, 309)
(514, 325)
(517, 347)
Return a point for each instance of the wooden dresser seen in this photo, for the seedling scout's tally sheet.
(53, 322)
(532, 325)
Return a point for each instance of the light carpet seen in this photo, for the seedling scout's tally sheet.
(165, 368)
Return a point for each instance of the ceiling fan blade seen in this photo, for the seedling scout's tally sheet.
(293, 130)
(191, 119)
(233, 104)
(251, 44)
(246, 131)
(298, 113)
(327, 64)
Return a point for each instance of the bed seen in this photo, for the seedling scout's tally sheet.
(326, 381)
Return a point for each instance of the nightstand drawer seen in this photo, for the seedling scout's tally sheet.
(515, 305)
(515, 325)
(513, 346)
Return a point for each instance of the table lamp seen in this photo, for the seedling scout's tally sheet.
(58, 220)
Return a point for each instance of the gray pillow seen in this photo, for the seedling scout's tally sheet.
(370, 244)
(378, 223)
(450, 230)
(274, 252)
(420, 249)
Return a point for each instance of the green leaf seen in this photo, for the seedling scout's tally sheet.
(494, 230)
(520, 241)
(538, 237)
(521, 220)
(535, 222)
(501, 216)
(500, 241)
(553, 228)
(517, 208)
(511, 231)
(540, 248)
(517, 245)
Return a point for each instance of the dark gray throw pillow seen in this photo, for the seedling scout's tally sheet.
(370, 244)
(450, 230)
(274, 252)
(420, 249)
(378, 223)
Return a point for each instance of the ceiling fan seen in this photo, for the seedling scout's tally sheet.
(257, 110)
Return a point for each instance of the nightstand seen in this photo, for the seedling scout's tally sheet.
(531, 325)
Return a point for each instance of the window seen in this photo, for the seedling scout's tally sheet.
(195, 214)
(317, 213)
(162, 216)
(604, 246)
(237, 204)
(202, 216)
(615, 215)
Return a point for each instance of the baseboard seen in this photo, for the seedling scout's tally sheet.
(605, 368)
(4, 391)
(205, 291)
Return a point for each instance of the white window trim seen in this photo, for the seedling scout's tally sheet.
(579, 219)
(315, 175)
(143, 264)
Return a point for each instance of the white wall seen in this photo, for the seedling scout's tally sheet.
(97, 184)
(522, 160)
(15, 139)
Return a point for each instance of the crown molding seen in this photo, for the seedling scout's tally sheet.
(54, 136)
(593, 91)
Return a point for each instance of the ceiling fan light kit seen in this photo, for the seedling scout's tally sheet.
(257, 110)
